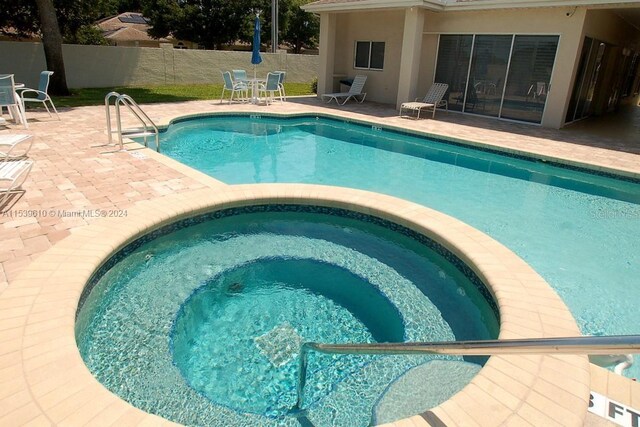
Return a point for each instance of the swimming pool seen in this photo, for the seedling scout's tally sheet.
(578, 230)
(193, 321)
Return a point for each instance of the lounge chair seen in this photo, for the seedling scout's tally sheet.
(14, 146)
(355, 92)
(12, 176)
(10, 99)
(433, 99)
(238, 87)
(40, 94)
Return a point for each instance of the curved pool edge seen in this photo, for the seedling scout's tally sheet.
(52, 383)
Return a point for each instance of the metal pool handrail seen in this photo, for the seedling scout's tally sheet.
(615, 344)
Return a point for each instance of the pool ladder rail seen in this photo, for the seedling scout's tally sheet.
(606, 345)
(147, 126)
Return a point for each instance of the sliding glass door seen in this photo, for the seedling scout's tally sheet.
(586, 79)
(502, 76)
(454, 54)
(487, 75)
(529, 77)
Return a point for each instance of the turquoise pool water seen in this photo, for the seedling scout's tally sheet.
(579, 231)
(201, 322)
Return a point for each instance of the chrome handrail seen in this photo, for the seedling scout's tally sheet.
(616, 344)
(107, 100)
(135, 109)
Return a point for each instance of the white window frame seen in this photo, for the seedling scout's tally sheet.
(355, 55)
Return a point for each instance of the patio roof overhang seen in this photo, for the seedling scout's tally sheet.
(327, 6)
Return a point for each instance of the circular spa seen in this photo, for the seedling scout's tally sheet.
(201, 321)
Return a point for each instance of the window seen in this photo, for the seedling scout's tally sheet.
(369, 55)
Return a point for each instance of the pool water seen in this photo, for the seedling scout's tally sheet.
(201, 323)
(578, 230)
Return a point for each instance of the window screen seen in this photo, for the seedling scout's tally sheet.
(377, 55)
(363, 50)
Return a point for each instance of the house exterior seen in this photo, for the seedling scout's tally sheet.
(545, 62)
(130, 29)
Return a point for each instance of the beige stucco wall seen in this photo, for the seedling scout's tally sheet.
(106, 66)
(383, 26)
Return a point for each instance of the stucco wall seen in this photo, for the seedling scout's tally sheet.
(381, 86)
(105, 66)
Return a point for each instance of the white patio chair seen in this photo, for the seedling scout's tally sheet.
(236, 88)
(12, 176)
(270, 87)
(10, 99)
(239, 76)
(14, 146)
(40, 94)
(355, 92)
(432, 100)
(283, 95)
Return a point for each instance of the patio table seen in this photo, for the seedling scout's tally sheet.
(254, 89)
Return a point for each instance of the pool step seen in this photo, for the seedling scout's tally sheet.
(280, 345)
(422, 388)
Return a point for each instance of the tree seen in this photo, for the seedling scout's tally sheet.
(210, 23)
(302, 28)
(52, 43)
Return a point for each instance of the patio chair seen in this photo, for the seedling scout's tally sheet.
(235, 88)
(433, 100)
(283, 74)
(355, 92)
(537, 91)
(10, 99)
(14, 146)
(12, 176)
(271, 86)
(40, 94)
(239, 76)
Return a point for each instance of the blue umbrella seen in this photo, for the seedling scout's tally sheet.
(255, 54)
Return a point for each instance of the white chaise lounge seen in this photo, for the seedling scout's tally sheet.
(432, 100)
(15, 146)
(355, 92)
(12, 176)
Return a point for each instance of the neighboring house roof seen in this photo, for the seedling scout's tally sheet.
(127, 19)
(128, 26)
(130, 34)
(444, 5)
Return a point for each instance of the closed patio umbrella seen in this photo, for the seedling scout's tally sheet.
(255, 54)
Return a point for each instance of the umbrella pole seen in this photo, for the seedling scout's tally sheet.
(254, 88)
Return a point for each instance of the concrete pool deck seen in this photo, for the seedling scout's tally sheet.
(72, 177)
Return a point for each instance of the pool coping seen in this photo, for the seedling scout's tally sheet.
(44, 378)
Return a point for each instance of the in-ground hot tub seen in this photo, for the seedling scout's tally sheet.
(200, 321)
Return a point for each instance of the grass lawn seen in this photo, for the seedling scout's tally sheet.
(161, 93)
